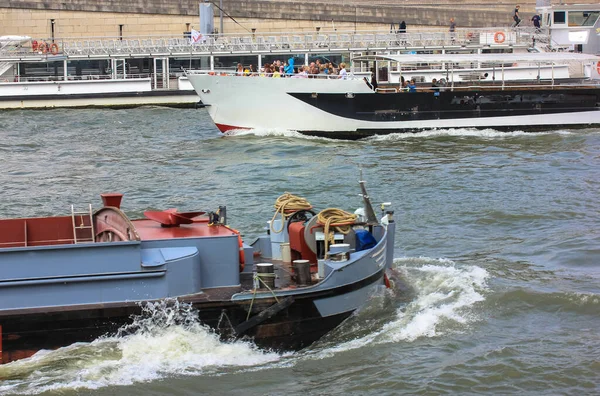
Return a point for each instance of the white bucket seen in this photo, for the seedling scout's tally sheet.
(286, 252)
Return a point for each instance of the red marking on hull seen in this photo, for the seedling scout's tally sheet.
(224, 128)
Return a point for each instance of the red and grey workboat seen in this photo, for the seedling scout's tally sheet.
(74, 278)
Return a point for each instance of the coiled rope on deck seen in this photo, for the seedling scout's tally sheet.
(287, 204)
(335, 220)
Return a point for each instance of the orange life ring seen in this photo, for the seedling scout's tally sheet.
(211, 73)
(598, 67)
(34, 45)
(469, 36)
(499, 37)
(54, 49)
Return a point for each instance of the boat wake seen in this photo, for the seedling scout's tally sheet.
(262, 133)
(441, 300)
(166, 339)
(462, 132)
(487, 133)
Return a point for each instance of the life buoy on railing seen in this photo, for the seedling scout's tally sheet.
(34, 45)
(499, 37)
(54, 49)
(598, 67)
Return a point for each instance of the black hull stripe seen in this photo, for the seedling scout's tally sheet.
(450, 105)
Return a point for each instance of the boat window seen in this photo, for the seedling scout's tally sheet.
(583, 18)
(559, 17)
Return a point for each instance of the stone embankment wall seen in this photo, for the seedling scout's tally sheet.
(92, 18)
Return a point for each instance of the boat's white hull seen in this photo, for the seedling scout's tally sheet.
(265, 103)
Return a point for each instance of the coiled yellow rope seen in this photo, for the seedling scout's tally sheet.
(338, 220)
(287, 204)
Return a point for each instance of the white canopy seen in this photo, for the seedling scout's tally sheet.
(534, 57)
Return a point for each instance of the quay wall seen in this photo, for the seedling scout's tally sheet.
(114, 18)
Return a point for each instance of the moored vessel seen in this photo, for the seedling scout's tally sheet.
(74, 278)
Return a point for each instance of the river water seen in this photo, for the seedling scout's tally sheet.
(497, 237)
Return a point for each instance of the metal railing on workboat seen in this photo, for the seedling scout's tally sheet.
(319, 42)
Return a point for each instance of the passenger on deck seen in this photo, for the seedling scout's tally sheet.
(434, 85)
(301, 72)
(412, 86)
(240, 70)
(373, 82)
(267, 72)
(289, 69)
(343, 74)
(404, 87)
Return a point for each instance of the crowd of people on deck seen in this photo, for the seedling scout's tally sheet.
(279, 69)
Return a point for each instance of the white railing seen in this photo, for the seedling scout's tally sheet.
(275, 43)
(89, 77)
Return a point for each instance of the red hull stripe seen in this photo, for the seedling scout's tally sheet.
(224, 128)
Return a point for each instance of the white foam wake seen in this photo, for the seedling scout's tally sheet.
(273, 133)
(445, 294)
(443, 301)
(168, 340)
(487, 133)
(462, 132)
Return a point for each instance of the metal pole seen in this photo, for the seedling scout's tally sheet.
(154, 72)
(221, 16)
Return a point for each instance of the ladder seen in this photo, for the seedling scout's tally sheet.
(80, 223)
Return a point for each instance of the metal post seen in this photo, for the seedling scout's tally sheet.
(154, 73)
(52, 23)
(503, 76)
(306, 59)
(443, 63)
(212, 63)
(165, 74)
(259, 62)
(65, 70)
(221, 17)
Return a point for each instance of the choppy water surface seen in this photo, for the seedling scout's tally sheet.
(497, 237)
